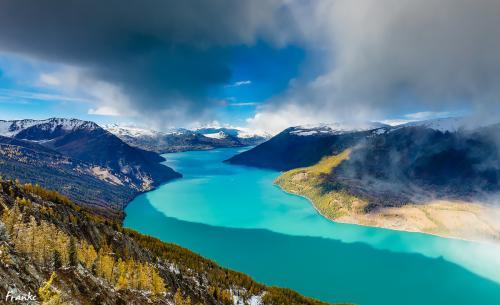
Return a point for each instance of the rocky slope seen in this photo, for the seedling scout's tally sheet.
(59, 253)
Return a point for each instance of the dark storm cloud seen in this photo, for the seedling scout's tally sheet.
(157, 52)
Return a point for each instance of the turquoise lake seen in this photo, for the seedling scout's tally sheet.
(236, 216)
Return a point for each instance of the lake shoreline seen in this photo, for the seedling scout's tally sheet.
(479, 241)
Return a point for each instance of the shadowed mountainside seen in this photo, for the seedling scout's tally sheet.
(81, 160)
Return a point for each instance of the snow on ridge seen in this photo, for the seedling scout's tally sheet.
(245, 133)
(11, 128)
(130, 131)
(5, 129)
(451, 124)
(216, 135)
(135, 132)
(333, 128)
(66, 124)
(240, 132)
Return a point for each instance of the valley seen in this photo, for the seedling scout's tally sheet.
(237, 217)
(234, 206)
(242, 152)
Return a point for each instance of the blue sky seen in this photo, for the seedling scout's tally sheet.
(258, 73)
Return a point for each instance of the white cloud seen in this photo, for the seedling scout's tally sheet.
(106, 98)
(395, 122)
(377, 59)
(276, 120)
(49, 79)
(380, 59)
(105, 110)
(240, 83)
(242, 104)
(30, 95)
(418, 116)
(427, 115)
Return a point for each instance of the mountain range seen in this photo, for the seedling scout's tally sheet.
(180, 139)
(422, 176)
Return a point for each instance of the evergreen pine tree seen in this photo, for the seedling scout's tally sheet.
(57, 260)
(73, 260)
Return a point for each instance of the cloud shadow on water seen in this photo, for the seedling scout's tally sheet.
(322, 268)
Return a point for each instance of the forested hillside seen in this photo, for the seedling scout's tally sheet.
(89, 185)
(65, 254)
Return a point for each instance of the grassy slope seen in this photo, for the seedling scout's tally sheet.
(313, 182)
(456, 219)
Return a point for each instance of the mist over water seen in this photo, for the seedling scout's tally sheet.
(236, 216)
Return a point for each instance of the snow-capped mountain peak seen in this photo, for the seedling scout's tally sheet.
(137, 132)
(14, 127)
(216, 135)
(130, 131)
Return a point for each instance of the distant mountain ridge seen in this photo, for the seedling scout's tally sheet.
(334, 128)
(180, 139)
(443, 156)
(95, 153)
(304, 145)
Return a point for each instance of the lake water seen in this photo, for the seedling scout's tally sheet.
(237, 217)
